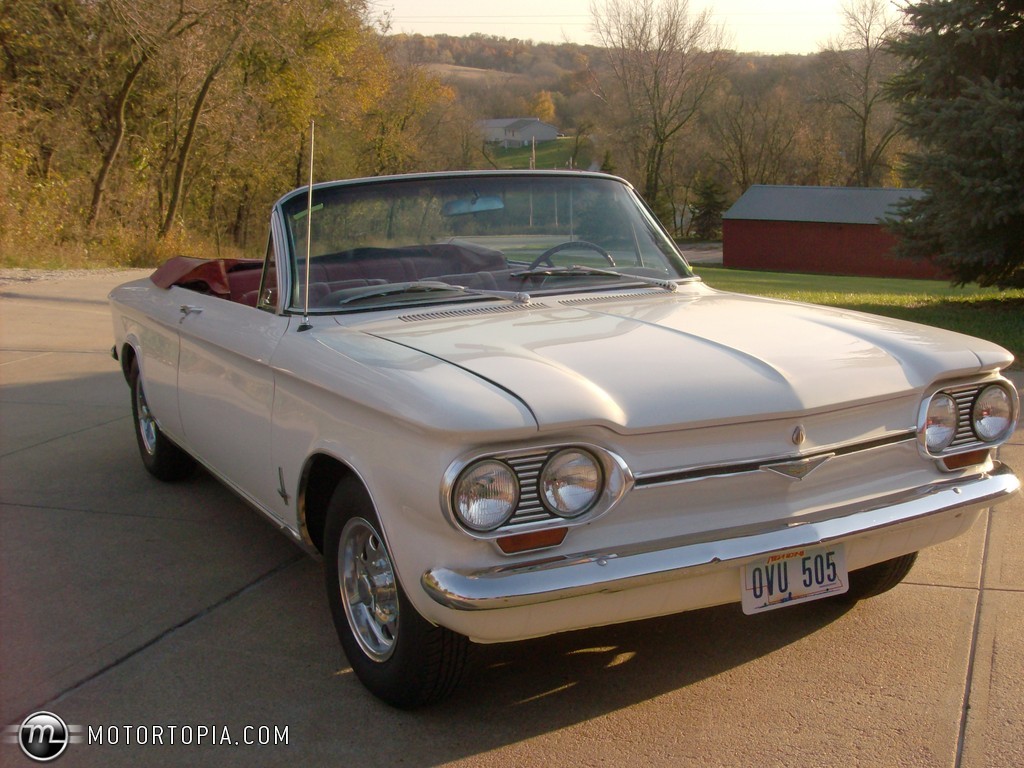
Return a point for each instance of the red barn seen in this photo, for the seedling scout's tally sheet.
(829, 230)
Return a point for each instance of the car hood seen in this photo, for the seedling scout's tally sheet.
(659, 360)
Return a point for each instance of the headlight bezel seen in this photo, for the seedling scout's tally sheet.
(966, 395)
(528, 463)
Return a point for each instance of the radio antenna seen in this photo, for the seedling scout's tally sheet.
(305, 326)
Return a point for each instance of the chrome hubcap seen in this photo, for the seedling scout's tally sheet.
(147, 424)
(368, 589)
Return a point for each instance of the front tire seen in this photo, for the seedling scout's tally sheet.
(399, 656)
(162, 458)
(879, 578)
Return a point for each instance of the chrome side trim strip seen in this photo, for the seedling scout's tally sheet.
(637, 565)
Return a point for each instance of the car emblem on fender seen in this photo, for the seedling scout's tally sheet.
(799, 469)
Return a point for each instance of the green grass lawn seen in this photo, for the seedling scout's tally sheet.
(550, 154)
(985, 312)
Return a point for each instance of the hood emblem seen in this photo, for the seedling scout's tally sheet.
(799, 469)
(799, 435)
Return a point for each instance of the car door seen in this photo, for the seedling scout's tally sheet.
(226, 387)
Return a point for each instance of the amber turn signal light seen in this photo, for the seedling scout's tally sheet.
(524, 542)
(969, 459)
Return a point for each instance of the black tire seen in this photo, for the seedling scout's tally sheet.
(879, 578)
(162, 458)
(399, 656)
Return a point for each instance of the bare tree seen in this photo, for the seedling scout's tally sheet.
(661, 63)
(755, 133)
(856, 67)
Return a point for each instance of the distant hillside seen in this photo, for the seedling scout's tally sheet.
(460, 75)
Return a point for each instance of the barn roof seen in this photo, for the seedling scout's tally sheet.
(831, 205)
(512, 123)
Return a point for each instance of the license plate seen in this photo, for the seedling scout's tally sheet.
(794, 576)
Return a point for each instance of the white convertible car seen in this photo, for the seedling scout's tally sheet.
(500, 405)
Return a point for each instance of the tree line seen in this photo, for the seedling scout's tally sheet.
(133, 129)
(136, 128)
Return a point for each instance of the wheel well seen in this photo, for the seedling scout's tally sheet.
(320, 478)
(127, 358)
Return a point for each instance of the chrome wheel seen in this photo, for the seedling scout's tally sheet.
(396, 653)
(161, 457)
(147, 424)
(368, 589)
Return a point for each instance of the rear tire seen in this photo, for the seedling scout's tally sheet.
(162, 458)
(879, 578)
(397, 654)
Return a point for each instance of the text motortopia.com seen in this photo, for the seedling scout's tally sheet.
(44, 736)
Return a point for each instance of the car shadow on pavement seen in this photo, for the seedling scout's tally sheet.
(590, 672)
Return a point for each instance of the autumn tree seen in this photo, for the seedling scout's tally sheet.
(135, 127)
(961, 97)
(543, 107)
(138, 32)
(256, 129)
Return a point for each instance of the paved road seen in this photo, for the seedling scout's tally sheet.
(125, 602)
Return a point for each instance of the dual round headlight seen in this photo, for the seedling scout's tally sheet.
(487, 493)
(570, 482)
(991, 418)
(992, 414)
(941, 423)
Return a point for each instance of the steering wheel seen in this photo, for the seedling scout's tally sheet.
(546, 256)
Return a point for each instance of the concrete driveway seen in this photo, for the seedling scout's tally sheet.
(144, 612)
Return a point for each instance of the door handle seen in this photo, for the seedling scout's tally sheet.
(188, 309)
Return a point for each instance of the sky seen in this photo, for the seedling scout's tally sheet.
(766, 26)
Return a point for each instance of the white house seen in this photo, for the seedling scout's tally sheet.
(516, 131)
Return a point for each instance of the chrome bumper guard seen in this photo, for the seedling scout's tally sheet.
(559, 577)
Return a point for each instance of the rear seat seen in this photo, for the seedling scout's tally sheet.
(245, 284)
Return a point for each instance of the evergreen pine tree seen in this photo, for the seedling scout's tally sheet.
(708, 206)
(961, 97)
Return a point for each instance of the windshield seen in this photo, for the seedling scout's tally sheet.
(375, 243)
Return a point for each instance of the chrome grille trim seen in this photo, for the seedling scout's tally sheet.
(530, 508)
(691, 474)
(964, 400)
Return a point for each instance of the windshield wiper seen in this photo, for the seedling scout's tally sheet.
(430, 286)
(576, 269)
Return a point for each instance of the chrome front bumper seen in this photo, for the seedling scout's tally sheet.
(560, 577)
